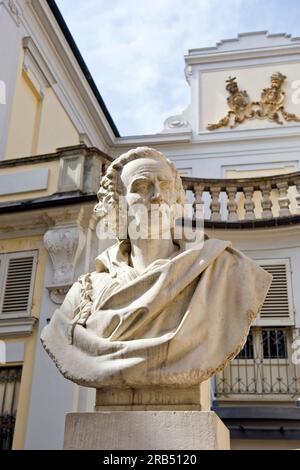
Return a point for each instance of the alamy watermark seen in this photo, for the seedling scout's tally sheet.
(152, 222)
(296, 354)
(2, 92)
(2, 352)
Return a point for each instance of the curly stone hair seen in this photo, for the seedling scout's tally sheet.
(111, 187)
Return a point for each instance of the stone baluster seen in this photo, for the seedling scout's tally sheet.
(283, 200)
(266, 202)
(249, 205)
(232, 204)
(215, 204)
(198, 201)
(185, 185)
(297, 184)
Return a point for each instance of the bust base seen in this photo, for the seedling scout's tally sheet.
(149, 430)
(154, 398)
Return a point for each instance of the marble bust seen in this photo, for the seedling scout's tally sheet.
(156, 311)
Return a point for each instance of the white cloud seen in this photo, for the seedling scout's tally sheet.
(134, 48)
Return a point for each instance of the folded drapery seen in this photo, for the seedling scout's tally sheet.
(178, 322)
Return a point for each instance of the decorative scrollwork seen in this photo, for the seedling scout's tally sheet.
(240, 107)
(271, 102)
(14, 11)
(269, 107)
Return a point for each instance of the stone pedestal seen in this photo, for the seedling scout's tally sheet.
(155, 398)
(149, 430)
(150, 418)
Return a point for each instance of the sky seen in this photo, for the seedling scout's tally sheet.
(135, 49)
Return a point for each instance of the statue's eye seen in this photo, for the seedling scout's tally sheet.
(165, 185)
(140, 186)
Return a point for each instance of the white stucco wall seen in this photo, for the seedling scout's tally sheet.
(9, 55)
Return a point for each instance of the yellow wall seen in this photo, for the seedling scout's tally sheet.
(39, 124)
(53, 178)
(23, 121)
(24, 244)
(56, 129)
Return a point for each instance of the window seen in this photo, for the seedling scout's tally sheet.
(274, 342)
(278, 306)
(264, 366)
(17, 273)
(247, 351)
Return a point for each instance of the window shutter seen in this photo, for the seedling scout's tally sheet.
(277, 307)
(18, 284)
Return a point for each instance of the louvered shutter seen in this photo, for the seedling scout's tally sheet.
(17, 285)
(278, 306)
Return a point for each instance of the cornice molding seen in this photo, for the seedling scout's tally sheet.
(71, 87)
(242, 55)
(60, 153)
(261, 239)
(154, 139)
(17, 327)
(245, 46)
(38, 221)
(79, 98)
(239, 135)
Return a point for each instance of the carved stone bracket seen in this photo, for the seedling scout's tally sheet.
(57, 293)
(64, 245)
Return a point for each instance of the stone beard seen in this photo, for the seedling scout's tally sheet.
(154, 312)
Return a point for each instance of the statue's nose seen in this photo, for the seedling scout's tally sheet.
(156, 197)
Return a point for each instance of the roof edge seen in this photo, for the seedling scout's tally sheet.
(73, 46)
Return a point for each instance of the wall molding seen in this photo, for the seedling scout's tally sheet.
(34, 64)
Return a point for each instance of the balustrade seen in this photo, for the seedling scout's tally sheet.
(248, 199)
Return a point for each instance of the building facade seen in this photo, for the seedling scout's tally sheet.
(237, 146)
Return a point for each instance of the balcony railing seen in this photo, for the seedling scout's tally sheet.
(10, 378)
(239, 203)
(250, 201)
(266, 367)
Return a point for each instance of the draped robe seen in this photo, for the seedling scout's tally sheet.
(178, 322)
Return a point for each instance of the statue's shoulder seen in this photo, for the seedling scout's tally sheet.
(91, 282)
(80, 289)
(215, 244)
